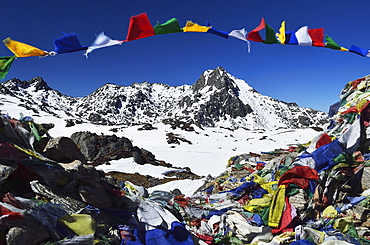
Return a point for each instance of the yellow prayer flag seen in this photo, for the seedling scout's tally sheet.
(281, 34)
(81, 224)
(193, 27)
(23, 50)
(277, 207)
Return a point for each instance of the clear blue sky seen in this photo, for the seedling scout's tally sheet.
(309, 76)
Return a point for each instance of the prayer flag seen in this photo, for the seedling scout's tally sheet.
(139, 27)
(270, 35)
(67, 44)
(290, 38)
(358, 50)
(194, 27)
(254, 35)
(281, 34)
(303, 37)
(5, 64)
(217, 32)
(317, 37)
(330, 43)
(101, 41)
(242, 35)
(22, 49)
(171, 26)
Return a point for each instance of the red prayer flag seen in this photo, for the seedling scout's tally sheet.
(324, 139)
(139, 27)
(317, 36)
(254, 35)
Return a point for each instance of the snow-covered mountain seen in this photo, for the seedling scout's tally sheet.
(217, 99)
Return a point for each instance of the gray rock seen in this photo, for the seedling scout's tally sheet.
(95, 146)
(63, 150)
(30, 231)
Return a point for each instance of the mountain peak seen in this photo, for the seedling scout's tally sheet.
(217, 78)
(38, 83)
(217, 99)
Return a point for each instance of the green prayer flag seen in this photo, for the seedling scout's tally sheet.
(5, 64)
(330, 43)
(34, 131)
(270, 35)
(171, 26)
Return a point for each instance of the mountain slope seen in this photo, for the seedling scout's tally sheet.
(217, 99)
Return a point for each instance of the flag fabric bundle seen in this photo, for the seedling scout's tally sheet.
(140, 27)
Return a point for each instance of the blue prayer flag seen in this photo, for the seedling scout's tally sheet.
(68, 44)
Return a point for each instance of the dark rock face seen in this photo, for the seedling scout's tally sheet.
(100, 149)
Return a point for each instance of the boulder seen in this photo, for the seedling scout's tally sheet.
(94, 146)
(100, 149)
(63, 149)
(29, 231)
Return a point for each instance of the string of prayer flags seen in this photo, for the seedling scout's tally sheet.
(139, 27)
(22, 49)
(67, 44)
(102, 41)
(5, 64)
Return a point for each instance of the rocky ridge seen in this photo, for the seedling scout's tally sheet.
(216, 99)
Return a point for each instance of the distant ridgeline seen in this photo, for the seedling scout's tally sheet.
(217, 99)
(140, 27)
